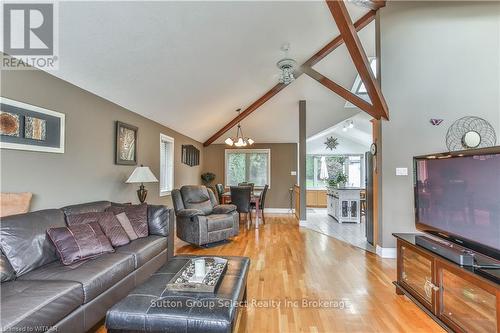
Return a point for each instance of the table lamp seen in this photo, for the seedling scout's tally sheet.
(142, 175)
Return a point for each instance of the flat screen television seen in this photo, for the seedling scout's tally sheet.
(457, 197)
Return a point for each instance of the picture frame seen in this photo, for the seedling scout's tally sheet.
(190, 155)
(28, 127)
(126, 144)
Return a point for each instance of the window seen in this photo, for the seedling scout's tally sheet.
(358, 88)
(248, 165)
(350, 165)
(166, 164)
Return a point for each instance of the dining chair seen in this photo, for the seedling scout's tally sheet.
(241, 198)
(252, 185)
(262, 202)
(220, 191)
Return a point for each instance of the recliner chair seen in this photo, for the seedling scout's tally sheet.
(200, 219)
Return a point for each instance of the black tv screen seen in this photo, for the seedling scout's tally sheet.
(457, 197)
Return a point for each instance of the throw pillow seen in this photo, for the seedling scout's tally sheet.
(14, 203)
(79, 242)
(108, 223)
(125, 222)
(137, 215)
(6, 271)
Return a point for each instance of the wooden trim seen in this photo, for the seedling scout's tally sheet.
(254, 106)
(342, 92)
(317, 57)
(358, 55)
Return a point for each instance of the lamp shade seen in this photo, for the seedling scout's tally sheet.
(142, 174)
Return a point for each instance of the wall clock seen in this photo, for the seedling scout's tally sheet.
(373, 149)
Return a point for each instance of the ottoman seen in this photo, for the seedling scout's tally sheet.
(152, 308)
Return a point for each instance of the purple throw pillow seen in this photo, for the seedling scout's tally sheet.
(138, 216)
(108, 223)
(79, 242)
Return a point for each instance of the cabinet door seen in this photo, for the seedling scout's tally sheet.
(466, 302)
(345, 209)
(415, 274)
(354, 209)
(321, 199)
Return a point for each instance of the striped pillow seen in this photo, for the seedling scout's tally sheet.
(108, 223)
(79, 242)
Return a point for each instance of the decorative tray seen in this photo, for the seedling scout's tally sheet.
(186, 281)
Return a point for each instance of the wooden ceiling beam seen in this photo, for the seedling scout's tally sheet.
(358, 55)
(254, 106)
(317, 57)
(337, 41)
(343, 92)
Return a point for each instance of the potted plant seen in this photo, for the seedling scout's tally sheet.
(332, 182)
(341, 179)
(207, 178)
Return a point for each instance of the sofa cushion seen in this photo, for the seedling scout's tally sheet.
(197, 197)
(217, 222)
(144, 249)
(137, 215)
(108, 223)
(79, 242)
(90, 207)
(6, 271)
(34, 306)
(95, 275)
(24, 240)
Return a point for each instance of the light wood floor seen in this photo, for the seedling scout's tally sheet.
(289, 263)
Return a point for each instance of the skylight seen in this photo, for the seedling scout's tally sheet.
(359, 88)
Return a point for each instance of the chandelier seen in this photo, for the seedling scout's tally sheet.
(239, 140)
(286, 65)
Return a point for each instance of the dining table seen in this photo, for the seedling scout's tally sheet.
(254, 197)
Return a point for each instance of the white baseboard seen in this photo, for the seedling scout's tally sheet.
(279, 210)
(386, 252)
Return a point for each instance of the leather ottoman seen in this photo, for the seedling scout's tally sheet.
(152, 308)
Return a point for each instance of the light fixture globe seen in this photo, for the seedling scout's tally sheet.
(286, 66)
(239, 140)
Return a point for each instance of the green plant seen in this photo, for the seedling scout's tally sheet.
(207, 178)
(341, 178)
(332, 182)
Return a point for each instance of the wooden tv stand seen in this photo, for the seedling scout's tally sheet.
(457, 298)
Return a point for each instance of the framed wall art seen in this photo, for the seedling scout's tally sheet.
(126, 144)
(27, 127)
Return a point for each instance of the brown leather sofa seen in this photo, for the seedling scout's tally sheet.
(39, 293)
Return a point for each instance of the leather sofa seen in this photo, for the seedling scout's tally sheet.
(48, 296)
(200, 219)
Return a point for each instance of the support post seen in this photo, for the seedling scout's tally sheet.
(302, 159)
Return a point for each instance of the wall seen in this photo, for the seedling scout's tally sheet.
(438, 60)
(86, 171)
(283, 161)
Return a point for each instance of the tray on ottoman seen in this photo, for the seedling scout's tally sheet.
(151, 307)
(183, 281)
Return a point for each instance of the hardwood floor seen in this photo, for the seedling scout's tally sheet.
(290, 264)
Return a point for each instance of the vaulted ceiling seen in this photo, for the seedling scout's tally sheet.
(189, 65)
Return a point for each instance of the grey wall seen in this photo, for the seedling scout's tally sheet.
(438, 60)
(86, 171)
(283, 161)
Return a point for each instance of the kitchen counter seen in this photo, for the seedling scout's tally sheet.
(343, 204)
